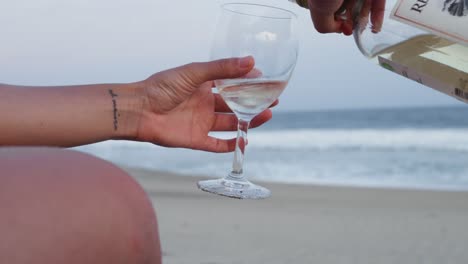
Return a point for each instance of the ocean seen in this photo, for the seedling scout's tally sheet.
(421, 148)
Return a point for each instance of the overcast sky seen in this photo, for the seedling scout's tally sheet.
(48, 42)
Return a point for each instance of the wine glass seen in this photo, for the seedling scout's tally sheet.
(267, 34)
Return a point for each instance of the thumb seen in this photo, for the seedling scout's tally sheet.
(201, 72)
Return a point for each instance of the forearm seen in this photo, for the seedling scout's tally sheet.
(68, 116)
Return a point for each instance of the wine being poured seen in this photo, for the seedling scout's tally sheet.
(425, 41)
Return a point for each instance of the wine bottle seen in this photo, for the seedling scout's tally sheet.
(426, 41)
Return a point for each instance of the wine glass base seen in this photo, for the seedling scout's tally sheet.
(234, 189)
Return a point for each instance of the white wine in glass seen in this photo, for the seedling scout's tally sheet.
(267, 34)
(251, 97)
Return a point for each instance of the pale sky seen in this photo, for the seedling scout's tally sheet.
(52, 42)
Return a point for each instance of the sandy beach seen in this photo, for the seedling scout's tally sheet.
(307, 224)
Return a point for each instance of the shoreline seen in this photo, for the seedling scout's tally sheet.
(307, 224)
(363, 186)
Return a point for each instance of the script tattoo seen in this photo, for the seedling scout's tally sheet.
(114, 104)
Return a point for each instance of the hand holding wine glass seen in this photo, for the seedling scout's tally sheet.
(267, 34)
(181, 109)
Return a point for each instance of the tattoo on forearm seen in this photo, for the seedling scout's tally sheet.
(114, 104)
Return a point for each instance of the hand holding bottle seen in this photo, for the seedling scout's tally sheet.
(425, 41)
(331, 16)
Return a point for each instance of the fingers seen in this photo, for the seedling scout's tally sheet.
(254, 73)
(348, 22)
(218, 145)
(220, 105)
(377, 15)
(373, 8)
(262, 118)
(275, 103)
(323, 15)
(202, 72)
(228, 122)
(225, 122)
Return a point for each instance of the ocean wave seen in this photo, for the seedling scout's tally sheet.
(364, 139)
(420, 158)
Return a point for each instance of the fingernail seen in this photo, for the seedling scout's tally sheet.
(245, 62)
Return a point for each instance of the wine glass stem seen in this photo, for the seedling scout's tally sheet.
(238, 163)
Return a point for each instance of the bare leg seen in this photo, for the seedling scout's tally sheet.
(61, 206)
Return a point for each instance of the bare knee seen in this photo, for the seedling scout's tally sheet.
(63, 206)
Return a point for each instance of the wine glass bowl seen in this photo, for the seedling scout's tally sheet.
(267, 34)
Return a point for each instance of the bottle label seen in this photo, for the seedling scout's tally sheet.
(459, 91)
(446, 18)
